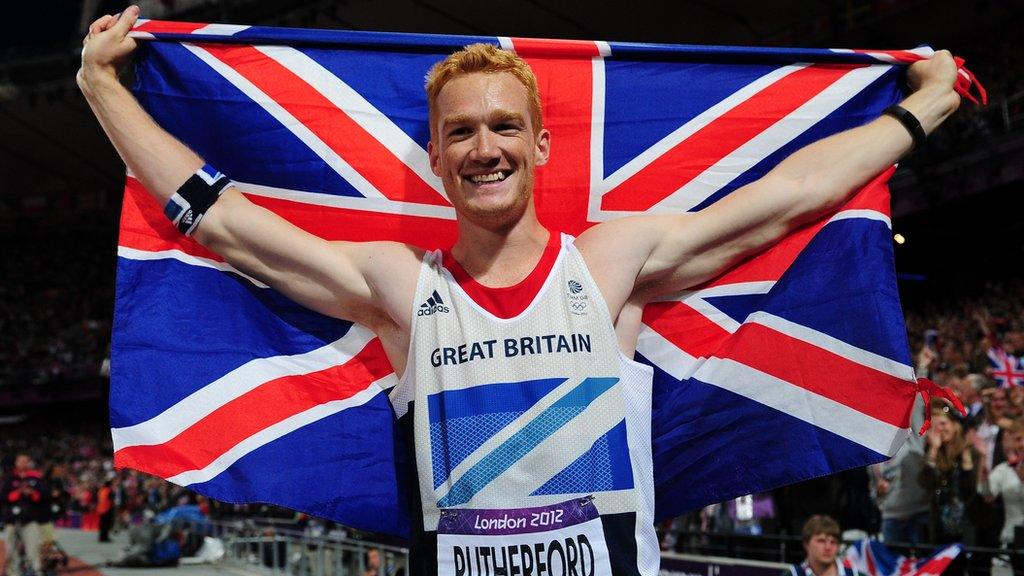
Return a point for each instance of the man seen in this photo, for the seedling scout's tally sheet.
(105, 509)
(821, 543)
(968, 388)
(24, 509)
(516, 328)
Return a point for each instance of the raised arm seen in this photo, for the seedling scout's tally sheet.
(334, 278)
(673, 252)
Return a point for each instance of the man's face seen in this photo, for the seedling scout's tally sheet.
(960, 387)
(373, 558)
(484, 147)
(822, 549)
(997, 403)
(1013, 446)
(22, 463)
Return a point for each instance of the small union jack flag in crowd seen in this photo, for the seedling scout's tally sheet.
(1007, 369)
(871, 557)
(790, 366)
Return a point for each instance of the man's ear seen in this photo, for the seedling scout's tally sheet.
(543, 146)
(435, 157)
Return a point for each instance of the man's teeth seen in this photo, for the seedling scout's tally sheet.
(484, 178)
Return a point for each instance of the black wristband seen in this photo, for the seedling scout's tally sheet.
(910, 122)
(186, 207)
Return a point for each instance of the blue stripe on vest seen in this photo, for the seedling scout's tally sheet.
(522, 442)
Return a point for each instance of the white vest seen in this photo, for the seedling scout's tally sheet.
(530, 411)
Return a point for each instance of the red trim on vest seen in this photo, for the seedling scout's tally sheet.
(507, 301)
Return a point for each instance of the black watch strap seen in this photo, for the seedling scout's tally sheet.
(910, 122)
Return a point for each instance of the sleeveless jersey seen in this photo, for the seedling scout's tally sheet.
(531, 433)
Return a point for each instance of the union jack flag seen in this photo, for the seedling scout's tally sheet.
(871, 557)
(1007, 369)
(792, 365)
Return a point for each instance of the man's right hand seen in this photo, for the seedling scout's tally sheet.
(107, 46)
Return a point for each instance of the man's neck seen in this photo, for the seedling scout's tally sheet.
(498, 258)
(823, 568)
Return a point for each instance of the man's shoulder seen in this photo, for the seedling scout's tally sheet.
(386, 260)
(388, 247)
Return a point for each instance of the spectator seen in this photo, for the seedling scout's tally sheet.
(987, 439)
(949, 476)
(24, 509)
(1005, 480)
(994, 417)
(904, 504)
(105, 508)
(969, 389)
(372, 565)
(821, 543)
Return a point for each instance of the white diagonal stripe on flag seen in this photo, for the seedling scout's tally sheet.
(733, 289)
(235, 383)
(318, 146)
(359, 109)
(273, 432)
(688, 129)
(825, 413)
(767, 142)
(924, 51)
(135, 254)
(862, 214)
(384, 205)
(220, 29)
(835, 346)
(664, 354)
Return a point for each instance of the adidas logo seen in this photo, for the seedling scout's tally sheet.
(434, 304)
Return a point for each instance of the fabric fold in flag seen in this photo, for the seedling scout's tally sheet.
(791, 365)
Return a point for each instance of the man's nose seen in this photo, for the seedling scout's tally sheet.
(485, 147)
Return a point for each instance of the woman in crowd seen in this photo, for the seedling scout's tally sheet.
(1005, 480)
(949, 475)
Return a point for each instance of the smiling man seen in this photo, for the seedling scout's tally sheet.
(529, 417)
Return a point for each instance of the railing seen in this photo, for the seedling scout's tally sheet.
(275, 550)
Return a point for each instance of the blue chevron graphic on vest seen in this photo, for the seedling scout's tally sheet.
(526, 439)
(462, 420)
(604, 467)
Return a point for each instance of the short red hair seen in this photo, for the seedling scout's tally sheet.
(487, 59)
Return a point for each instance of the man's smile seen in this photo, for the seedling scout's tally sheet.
(489, 177)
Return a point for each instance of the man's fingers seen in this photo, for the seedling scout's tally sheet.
(100, 24)
(127, 20)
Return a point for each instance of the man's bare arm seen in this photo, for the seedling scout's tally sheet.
(673, 252)
(333, 278)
